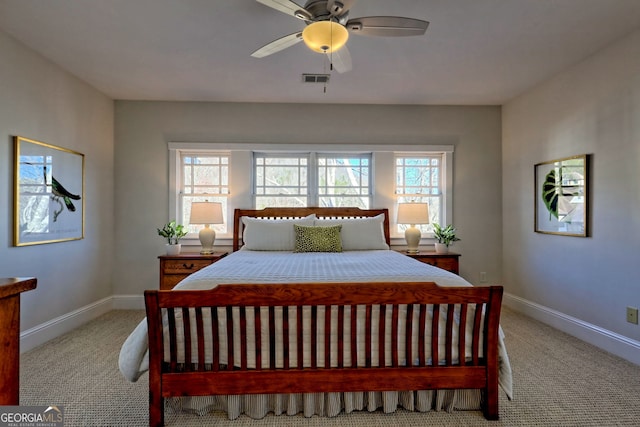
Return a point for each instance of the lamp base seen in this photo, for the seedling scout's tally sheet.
(412, 235)
(207, 236)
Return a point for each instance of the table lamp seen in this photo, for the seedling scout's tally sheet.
(206, 213)
(412, 214)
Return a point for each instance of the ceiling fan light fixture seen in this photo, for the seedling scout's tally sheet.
(325, 36)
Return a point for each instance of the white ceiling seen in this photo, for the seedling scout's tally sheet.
(474, 51)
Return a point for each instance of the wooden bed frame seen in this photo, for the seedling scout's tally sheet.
(440, 304)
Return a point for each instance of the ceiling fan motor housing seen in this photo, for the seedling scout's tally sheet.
(319, 11)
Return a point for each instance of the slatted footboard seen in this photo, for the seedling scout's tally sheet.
(322, 337)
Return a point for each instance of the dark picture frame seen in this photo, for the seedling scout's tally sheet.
(48, 193)
(562, 196)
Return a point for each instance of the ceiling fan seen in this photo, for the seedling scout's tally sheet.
(328, 28)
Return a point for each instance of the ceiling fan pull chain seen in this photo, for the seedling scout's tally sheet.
(330, 57)
(331, 53)
(324, 69)
(325, 82)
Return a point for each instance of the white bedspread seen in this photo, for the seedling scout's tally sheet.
(281, 267)
(353, 266)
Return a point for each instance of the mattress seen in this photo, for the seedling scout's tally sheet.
(245, 266)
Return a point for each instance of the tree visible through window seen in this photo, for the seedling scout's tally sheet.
(344, 180)
(312, 179)
(281, 180)
(419, 179)
(205, 177)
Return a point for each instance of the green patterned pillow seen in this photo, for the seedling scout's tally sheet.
(318, 239)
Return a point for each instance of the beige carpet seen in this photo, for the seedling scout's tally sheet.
(558, 381)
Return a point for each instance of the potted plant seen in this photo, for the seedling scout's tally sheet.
(444, 237)
(173, 233)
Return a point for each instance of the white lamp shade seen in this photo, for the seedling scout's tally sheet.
(206, 213)
(413, 213)
(325, 36)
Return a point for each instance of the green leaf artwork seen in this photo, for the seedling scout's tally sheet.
(550, 193)
(555, 194)
(561, 196)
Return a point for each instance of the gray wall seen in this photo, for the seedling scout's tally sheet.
(40, 101)
(592, 108)
(143, 130)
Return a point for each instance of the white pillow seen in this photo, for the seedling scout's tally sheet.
(359, 234)
(261, 234)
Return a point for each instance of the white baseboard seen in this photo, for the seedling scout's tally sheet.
(612, 342)
(40, 334)
(46, 331)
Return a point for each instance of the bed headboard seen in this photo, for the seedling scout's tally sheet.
(322, 213)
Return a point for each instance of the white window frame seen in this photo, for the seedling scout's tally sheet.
(382, 173)
(313, 192)
(403, 197)
(221, 195)
(365, 191)
(302, 191)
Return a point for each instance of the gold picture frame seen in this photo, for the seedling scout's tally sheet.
(562, 196)
(48, 193)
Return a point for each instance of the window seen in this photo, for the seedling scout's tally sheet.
(280, 180)
(204, 177)
(245, 175)
(312, 179)
(344, 180)
(419, 179)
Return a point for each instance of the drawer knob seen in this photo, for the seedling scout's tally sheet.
(188, 267)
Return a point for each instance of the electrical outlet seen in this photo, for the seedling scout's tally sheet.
(483, 277)
(632, 315)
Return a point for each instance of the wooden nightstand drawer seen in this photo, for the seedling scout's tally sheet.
(447, 261)
(184, 266)
(174, 268)
(448, 264)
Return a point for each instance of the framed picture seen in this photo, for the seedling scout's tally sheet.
(48, 193)
(561, 196)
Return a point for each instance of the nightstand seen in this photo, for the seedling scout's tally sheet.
(448, 261)
(174, 268)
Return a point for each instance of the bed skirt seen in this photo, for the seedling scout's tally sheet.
(257, 406)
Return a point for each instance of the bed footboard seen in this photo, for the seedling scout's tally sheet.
(322, 337)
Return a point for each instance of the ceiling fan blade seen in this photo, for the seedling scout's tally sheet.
(339, 7)
(288, 7)
(278, 45)
(340, 59)
(387, 26)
